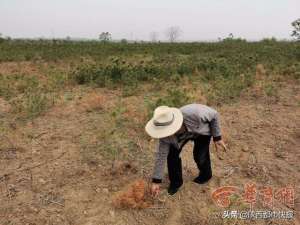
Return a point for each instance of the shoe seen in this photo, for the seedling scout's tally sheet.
(202, 179)
(173, 190)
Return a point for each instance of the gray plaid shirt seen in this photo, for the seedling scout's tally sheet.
(198, 120)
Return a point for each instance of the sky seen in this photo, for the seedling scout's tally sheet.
(198, 20)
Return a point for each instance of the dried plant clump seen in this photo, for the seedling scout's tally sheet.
(93, 102)
(5, 107)
(260, 71)
(134, 196)
(260, 74)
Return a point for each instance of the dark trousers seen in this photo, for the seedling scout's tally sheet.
(201, 157)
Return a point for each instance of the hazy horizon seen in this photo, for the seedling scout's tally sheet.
(135, 20)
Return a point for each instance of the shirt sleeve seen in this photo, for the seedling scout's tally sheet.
(161, 157)
(214, 125)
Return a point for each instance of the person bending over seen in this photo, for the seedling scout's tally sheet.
(174, 128)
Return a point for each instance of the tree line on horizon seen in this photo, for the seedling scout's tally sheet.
(172, 33)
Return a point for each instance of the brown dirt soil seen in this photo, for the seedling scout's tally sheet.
(47, 177)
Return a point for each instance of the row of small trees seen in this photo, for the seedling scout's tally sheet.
(172, 34)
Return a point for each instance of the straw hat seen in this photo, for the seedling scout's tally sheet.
(166, 121)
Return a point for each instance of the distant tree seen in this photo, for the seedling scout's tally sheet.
(269, 40)
(153, 36)
(231, 38)
(105, 37)
(173, 33)
(296, 31)
(124, 41)
(1, 38)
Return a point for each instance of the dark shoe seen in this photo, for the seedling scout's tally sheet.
(202, 179)
(173, 190)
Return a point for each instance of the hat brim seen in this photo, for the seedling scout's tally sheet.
(165, 131)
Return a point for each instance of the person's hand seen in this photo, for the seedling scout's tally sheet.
(220, 144)
(155, 189)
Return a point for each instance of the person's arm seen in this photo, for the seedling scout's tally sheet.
(161, 157)
(214, 125)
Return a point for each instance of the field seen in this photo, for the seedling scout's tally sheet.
(72, 118)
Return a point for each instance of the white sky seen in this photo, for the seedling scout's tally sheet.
(135, 19)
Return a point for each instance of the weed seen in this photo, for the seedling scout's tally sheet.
(15, 84)
(57, 80)
(36, 103)
(226, 90)
(271, 90)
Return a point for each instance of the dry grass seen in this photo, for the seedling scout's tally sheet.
(93, 102)
(4, 106)
(260, 71)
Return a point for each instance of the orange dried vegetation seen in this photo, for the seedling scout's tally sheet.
(260, 72)
(134, 196)
(93, 102)
(259, 80)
